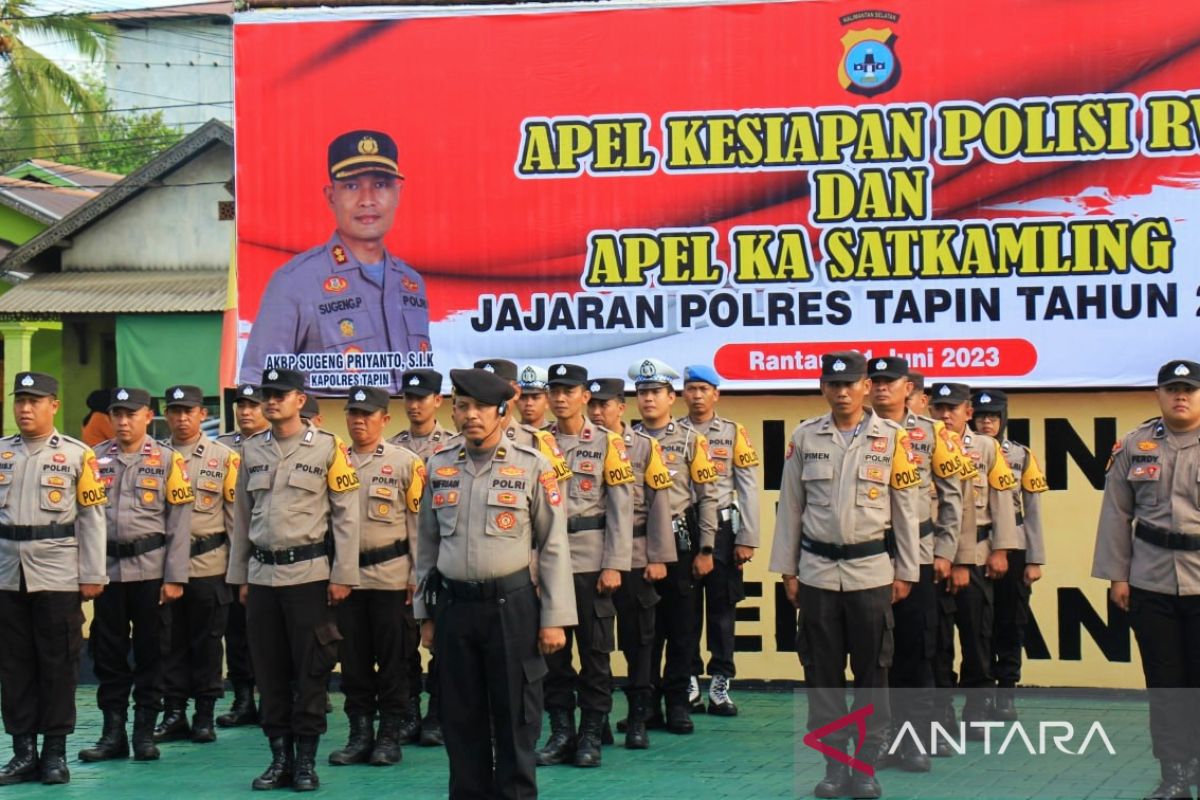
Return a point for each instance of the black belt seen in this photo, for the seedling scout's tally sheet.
(137, 547)
(1161, 537)
(982, 533)
(593, 523)
(28, 533)
(1020, 518)
(639, 531)
(289, 555)
(843, 552)
(378, 555)
(926, 529)
(486, 590)
(206, 544)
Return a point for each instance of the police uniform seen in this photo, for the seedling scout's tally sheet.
(653, 542)
(192, 667)
(290, 493)
(51, 541)
(840, 491)
(989, 497)
(243, 711)
(482, 516)
(325, 301)
(149, 524)
(1149, 537)
(534, 380)
(737, 524)
(692, 497)
(600, 523)
(1011, 592)
(422, 383)
(377, 638)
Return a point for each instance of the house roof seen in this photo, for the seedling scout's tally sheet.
(41, 201)
(212, 132)
(117, 292)
(182, 11)
(43, 170)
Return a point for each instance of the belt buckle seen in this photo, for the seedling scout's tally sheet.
(291, 555)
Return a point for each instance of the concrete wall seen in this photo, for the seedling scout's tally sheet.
(86, 351)
(164, 227)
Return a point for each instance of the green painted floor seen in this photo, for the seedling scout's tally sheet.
(755, 755)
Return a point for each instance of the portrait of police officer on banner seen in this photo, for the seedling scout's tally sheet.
(348, 311)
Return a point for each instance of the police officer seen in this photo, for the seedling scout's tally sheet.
(489, 509)
(518, 432)
(311, 411)
(51, 558)
(846, 475)
(918, 398)
(600, 523)
(424, 436)
(247, 410)
(693, 500)
(1024, 561)
(373, 619)
(295, 485)
(992, 515)
(939, 463)
(350, 291)
(533, 403)
(737, 533)
(149, 525)
(653, 549)
(197, 621)
(1146, 547)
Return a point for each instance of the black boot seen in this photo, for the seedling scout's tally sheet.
(112, 742)
(243, 711)
(431, 731)
(910, 758)
(304, 777)
(202, 721)
(1176, 782)
(23, 766)
(837, 777)
(606, 736)
(561, 744)
(1005, 708)
(863, 785)
(654, 713)
(946, 717)
(142, 740)
(174, 726)
(279, 773)
(587, 746)
(410, 722)
(980, 707)
(54, 759)
(636, 737)
(387, 745)
(679, 719)
(358, 745)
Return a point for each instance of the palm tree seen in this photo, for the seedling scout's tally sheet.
(42, 106)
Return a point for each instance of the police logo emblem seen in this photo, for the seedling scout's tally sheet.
(360, 395)
(881, 364)
(414, 381)
(409, 284)
(27, 380)
(869, 65)
(647, 370)
(944, 391)
(506, 520)
(839, 366)
(1182, 371)
(382, 509)
(335, 285)
(562, 370)
(122, 395)
(273, 375)
(346, 327)
(177, 394)
(248, 390)
(489, 368)
(528, 375)
(60, 458)
(985, 398)
(594, 387)
(367, 146)
(55, 495)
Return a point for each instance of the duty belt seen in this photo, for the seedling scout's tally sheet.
(488, 589)
(639, 531)
(1161, 537)
(592, 523)
(889, 536)
(982, 533)
(28, 533)
(137, 547)
(206, 544)
(378, 555)
(289, 555)
(843, 552)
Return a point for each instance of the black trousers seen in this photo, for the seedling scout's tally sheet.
(635, 602)
(237, 649)
(193, 664)
(595, 638)
(915, 637)
(294, 641)
(716, 597)
(127, 615)
(945, 679)
(490, 673)
(1167, 629)
(973, 616)
(832, 626)
(41, 637)
(376, 645)
(1011, 617)
(675, 632)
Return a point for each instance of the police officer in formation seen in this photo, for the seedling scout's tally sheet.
(197, 620)
(518, 432)
(52, 559)
(533, 402)
(149, 527)
(1146, 547)
(719, 592)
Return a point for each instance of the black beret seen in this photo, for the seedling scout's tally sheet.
(486, 387)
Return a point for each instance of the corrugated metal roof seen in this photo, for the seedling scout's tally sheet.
(54, 201)
(131, 292)
(80, 176)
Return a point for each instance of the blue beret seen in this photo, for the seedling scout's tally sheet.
(701, 372)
